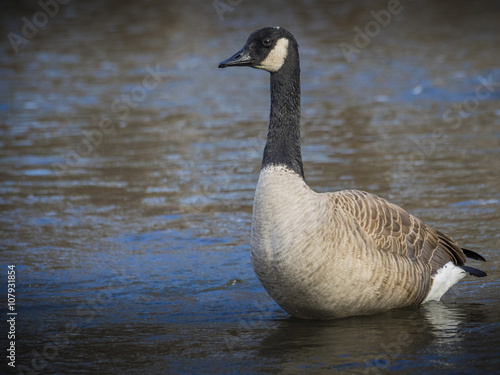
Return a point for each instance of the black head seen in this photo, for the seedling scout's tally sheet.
(265, 49)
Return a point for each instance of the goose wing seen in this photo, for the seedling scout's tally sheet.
(395, 230)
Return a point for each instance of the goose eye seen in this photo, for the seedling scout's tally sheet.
(266, 42)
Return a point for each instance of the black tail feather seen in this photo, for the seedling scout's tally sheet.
(473, 255)
(474, 271)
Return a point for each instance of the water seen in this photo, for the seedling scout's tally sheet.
(128, 164)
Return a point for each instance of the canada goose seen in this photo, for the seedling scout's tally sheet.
(332, 255)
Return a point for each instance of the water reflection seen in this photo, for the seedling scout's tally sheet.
(381, 342)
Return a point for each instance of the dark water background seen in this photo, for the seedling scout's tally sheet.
(128, 165)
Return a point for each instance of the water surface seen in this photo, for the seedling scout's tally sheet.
(128, 165)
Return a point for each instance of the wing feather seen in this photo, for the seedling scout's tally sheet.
(395, 230)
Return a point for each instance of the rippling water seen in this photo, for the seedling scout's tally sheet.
(128, 164)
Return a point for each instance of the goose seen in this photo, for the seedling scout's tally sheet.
(339, 254)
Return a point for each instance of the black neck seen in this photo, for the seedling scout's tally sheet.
(283, 137)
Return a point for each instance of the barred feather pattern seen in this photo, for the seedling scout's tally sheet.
(395, 230)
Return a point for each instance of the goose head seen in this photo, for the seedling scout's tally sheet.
(269, 49)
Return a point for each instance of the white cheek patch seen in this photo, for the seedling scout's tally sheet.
(274, 61)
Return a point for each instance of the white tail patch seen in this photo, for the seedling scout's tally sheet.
(444, 279)
(276, 57)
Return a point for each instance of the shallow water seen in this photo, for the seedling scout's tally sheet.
(128, 164)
